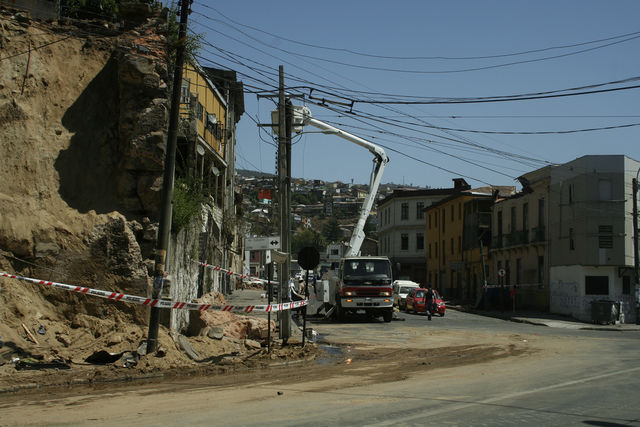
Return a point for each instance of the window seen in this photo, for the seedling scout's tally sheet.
(184, 92)
(443, 219)
(572, 245)
(513, 220)
(212, 121)
(626, 285)
(452, 212)
(605, 238)
(570, 193)
(525, 217)
(420, 241)
(435, 249)
(459, 244)
(507, 269)
(605, 242)
(451, 246)
(404, 242)
(404, 211)
(199, 111)
(541, 213)
(429, 251)
(540, 269)
(429, 222)
(604, 189)
(444, 257)
(596, 285)
(518, 269)
(419, 210)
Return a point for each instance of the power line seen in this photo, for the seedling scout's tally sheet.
(408, 57)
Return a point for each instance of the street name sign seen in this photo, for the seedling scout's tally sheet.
(262, 243)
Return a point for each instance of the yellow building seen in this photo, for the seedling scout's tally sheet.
(457, 238)
(203, 150)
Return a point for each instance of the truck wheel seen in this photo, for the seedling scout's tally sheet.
(387, 315)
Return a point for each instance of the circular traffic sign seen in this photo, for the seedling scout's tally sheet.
(308, 258)
(501, 272)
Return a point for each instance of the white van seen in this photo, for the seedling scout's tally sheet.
(400, 290)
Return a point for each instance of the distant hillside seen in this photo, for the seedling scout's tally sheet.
(255, 174)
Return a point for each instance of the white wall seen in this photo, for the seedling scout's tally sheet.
(568, 297)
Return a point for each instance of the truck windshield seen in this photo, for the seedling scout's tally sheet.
(364, 270)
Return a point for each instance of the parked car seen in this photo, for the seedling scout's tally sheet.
(440, 306)
(416, 302)
(401, 289)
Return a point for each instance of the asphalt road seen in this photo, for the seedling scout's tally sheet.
(564, 377)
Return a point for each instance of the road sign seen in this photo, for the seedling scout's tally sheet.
(501, 272)
(308, 258)
(262, 243)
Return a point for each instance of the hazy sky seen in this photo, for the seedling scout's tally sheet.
(357, 54)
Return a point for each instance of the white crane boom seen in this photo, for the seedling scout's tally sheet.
(302, 116)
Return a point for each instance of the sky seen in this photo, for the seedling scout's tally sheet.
(433, 82)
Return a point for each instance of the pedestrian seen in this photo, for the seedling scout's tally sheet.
(428, 303)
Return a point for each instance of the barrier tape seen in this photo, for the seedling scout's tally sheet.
(160, 303)
(522, 286)
(231, 273)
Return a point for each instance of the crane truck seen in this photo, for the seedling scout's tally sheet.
(361, 284)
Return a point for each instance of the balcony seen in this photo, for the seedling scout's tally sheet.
(538, 234)
(518, 238)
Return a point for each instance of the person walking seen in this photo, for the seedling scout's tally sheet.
(428, 303)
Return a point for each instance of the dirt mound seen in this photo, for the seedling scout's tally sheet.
(68, 335)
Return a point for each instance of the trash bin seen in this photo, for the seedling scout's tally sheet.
(604, 311)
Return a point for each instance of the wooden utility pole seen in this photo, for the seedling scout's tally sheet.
(164, 228)
(284, 187)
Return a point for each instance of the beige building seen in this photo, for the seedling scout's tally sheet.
(401, 228)
(520, 243)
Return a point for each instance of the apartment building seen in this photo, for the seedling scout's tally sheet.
(519, 254)
(591, 234)
(401, 228)
(458, 231)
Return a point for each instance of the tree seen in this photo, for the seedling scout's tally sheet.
(370, 228)
(307, 237)
(331, 230)
(192, 44)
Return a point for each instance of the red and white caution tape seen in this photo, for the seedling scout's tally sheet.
(231, 273)
(160, 303)
(519, 286)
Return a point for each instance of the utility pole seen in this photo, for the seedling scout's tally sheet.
(284, 186)
(164, 228)
(636, 257)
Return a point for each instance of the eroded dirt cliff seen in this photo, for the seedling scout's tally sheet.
(83, 113)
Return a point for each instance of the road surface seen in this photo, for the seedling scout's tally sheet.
(462, 369)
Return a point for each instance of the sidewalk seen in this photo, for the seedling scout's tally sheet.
(547, 319)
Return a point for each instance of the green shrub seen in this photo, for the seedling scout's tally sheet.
(187, 201)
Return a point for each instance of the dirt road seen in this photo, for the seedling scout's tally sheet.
(372, 361)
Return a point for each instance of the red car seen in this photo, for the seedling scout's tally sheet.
(416, 302)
